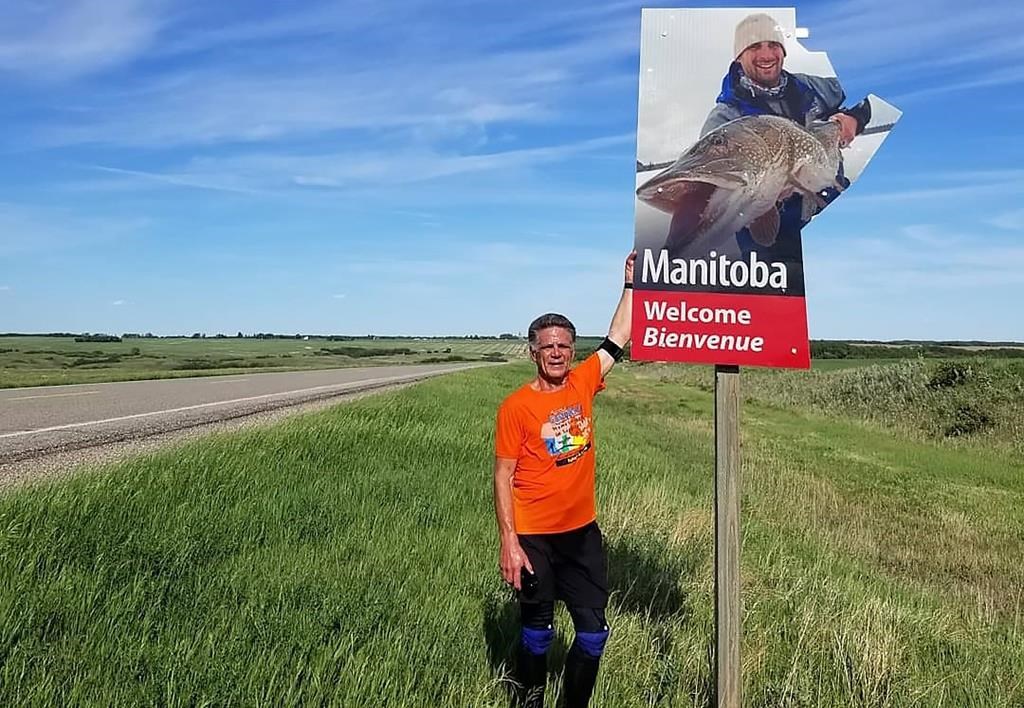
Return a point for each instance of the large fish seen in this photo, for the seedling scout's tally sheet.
(735, 175)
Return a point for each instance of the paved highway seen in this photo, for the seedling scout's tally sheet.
(42, 420)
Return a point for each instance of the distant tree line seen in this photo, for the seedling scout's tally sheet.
(68, 335)
(272, 335)
(360, 352)
(820, 349)
(97, 338)
(846, 350)
(937, 342)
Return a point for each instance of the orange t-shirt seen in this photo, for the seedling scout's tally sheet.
(550, 435)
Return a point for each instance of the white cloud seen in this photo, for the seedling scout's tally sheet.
(223, 184)
(993, 77)
(267, 172)
(463, 261)
(928, 258)
(949, 48)
(294, 88)
(487, 288)
(339, 296)
(118, 303)
(1010, 220)
(62, 40)
(936, 193)
(29, 229)
(220, 105)
(260, 108)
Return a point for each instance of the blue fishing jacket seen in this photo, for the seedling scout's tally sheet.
(805, 99)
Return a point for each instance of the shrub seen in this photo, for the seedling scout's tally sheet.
(86, 361)
(949, 373)
(968, 420)
(359, 352)
(98, 338)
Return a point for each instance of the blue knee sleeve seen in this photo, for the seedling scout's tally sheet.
(537, 641)
(592, 643)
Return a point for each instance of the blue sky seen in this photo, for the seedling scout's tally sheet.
(450, 168)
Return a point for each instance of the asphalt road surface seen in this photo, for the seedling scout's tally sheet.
(40, 421)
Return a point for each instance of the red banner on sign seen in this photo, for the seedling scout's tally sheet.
(720, 328)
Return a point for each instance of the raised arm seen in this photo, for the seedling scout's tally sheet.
(622, 320)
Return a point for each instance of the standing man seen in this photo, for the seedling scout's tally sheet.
(551, 546)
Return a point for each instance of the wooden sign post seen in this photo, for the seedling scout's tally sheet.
(727, 536)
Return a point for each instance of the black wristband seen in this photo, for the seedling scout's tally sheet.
(611, 347)
(627, 286)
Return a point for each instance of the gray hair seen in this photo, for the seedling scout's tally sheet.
(551, 319)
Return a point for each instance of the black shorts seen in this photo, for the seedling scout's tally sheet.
(570, 566)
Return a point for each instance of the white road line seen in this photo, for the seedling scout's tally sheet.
(207, 405)
(220, 381)
(173, 379)
(49, 395)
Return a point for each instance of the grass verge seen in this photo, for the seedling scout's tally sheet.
(349, 558)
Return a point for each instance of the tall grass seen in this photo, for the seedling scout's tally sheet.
(349, 558)
(968, 401)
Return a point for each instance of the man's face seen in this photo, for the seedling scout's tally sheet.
(762, 63)
(553, 353)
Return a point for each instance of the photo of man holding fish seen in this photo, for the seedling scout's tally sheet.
(731, 168)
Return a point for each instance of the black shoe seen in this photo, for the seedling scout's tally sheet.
(532, 675)
(579, 679)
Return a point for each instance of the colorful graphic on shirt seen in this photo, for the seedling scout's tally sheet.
(566, 434)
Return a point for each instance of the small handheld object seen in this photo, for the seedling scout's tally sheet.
(528, 582)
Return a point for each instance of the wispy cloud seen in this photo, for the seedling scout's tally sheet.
(62, 40)
(940, 186)
(994, 77)
(28, 229)
(481, 79)
(207, 27)
(936, 193)
(482, 260)
(942, 45)
(266, 172)
(222, 184)
(927, 257)
(1010, 220)
(460, 275)
(294, 103)
(118, 303)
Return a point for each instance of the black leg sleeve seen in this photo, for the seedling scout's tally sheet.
(531, 657)
(584, 656)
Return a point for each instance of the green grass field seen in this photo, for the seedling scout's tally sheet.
(349, 557)
(42, 361)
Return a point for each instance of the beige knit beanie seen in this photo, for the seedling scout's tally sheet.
(757, 28)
